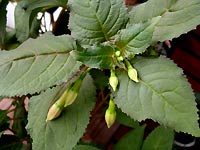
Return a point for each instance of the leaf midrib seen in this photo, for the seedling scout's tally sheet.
(159, 95)
(168, 10)
(34, 56)
(99, 22)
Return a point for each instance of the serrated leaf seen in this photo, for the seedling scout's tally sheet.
(94, 21)
(36, 65)
(3, 20)
(132, 140)
(159, 139)
(136, 38)
(31, 5)
(162, 94)
(177, 16)
(85, 147)
(64, 132)
(96, 56)
(26, 23)
(122, 118)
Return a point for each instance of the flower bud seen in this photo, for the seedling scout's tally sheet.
(71, 93)
(70, 97)
(54, 111)
(113, 80)
(132, 72)
(120, 58)
(118, 53)
(110, 115)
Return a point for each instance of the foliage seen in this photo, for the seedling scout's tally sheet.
(160, 138)
(105, 37)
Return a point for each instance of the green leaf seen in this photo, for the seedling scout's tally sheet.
(94, 21)
(64, 132)
(36, 65)
(162, 94)
(159, 139)
(100, 78)
(3, 20)
(132, 140)
(3, 117)
(31, 5)
(122, 118)
(26, 23)
(85, 147)
(96, 56)
(197, 95)
(177, 16)
(136, 38)
(18, 125)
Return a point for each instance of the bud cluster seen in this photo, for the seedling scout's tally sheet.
(66, 99)
(119, 56)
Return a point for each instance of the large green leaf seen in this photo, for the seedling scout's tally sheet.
(26, 14)
(94, 21)
(85, 147)
(64, 132)
(123, 119)
(177, 16)
(136, 38)
(159, 139)
(3, 19)
(36, 65)
(162, 94)
(132, 140)
(96, 56)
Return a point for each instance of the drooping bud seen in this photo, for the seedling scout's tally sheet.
(67, 98)
(110, 115)
(113, 80)
(132, 72)
(71, 93)
(55, 110)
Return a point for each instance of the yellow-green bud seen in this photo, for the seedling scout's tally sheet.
(113, 80)
(120, 58)
(110, 115)
(71, 93)
(70, 97)
(55, 110)
(117, 53)
(132, 72)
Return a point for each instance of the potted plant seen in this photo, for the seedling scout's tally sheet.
(106, 55)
